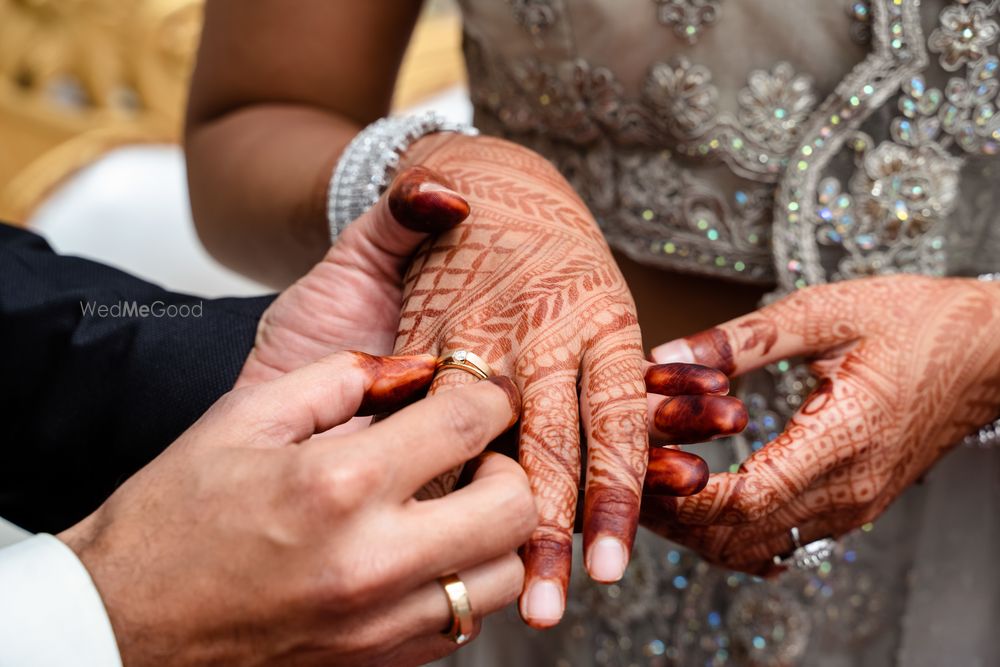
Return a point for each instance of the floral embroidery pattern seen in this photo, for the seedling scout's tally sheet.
(682, 92)
(774, 105)
(964, 35)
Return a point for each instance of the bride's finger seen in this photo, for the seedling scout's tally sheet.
(674, 379)
(550, 455)
(672, 472)
(618, 446)
(754, 546)
(680, 420)
(805, 323)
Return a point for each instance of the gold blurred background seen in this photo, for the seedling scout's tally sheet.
(81, 77)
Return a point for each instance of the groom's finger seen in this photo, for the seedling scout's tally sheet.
(317, 397)
(442, 432)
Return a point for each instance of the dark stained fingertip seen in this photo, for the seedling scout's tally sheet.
(689, 419)
(547, 557)
(608, 512)
(396, 381)
(674, 379)
(672, 472)
(712, 348)
(421, 200)
(513, 395)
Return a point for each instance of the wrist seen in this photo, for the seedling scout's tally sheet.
(446, 152)
(83, 539)
(426, 149)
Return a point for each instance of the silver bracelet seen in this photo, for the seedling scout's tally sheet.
(989, 435)
(370, 161)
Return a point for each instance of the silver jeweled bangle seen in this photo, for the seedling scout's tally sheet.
(369, 163)
(989, 435)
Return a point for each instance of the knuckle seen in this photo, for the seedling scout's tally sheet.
(349, 586)
(344, 487)
(748, 508)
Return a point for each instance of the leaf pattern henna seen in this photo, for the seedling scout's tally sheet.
(907, 365)
(528, 283)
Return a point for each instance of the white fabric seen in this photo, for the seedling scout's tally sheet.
(11, 534)
(51, 615)
(130, 210)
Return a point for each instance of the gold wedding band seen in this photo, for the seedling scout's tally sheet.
(466, 361)
(463, 623)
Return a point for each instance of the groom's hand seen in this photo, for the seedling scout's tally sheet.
(244, 544)
(351, 300)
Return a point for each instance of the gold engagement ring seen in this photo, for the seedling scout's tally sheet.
(466, 361)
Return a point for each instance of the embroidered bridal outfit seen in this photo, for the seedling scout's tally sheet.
(786, 142)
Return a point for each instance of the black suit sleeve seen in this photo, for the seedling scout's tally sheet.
(85, 399)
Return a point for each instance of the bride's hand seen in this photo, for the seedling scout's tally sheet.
(907, 366)
(529, 284)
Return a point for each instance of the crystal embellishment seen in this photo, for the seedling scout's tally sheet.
(688, 17)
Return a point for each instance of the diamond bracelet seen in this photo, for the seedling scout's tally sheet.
(369, 163)
(989, 435)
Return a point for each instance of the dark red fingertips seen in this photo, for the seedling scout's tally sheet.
(672, 472)
(689, 419)
(675, 379)
(395, 381)
(420, 199)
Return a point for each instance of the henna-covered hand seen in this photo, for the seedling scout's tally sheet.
(907, 366)
(529, 284)
(351, 300)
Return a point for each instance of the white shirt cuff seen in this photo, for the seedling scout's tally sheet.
(50, 611)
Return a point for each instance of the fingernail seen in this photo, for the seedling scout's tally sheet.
(419, 201)
(542, 604)
(676, 351)
(431, 186)
(607, 559)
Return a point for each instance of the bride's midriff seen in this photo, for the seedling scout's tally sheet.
(671, 305)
